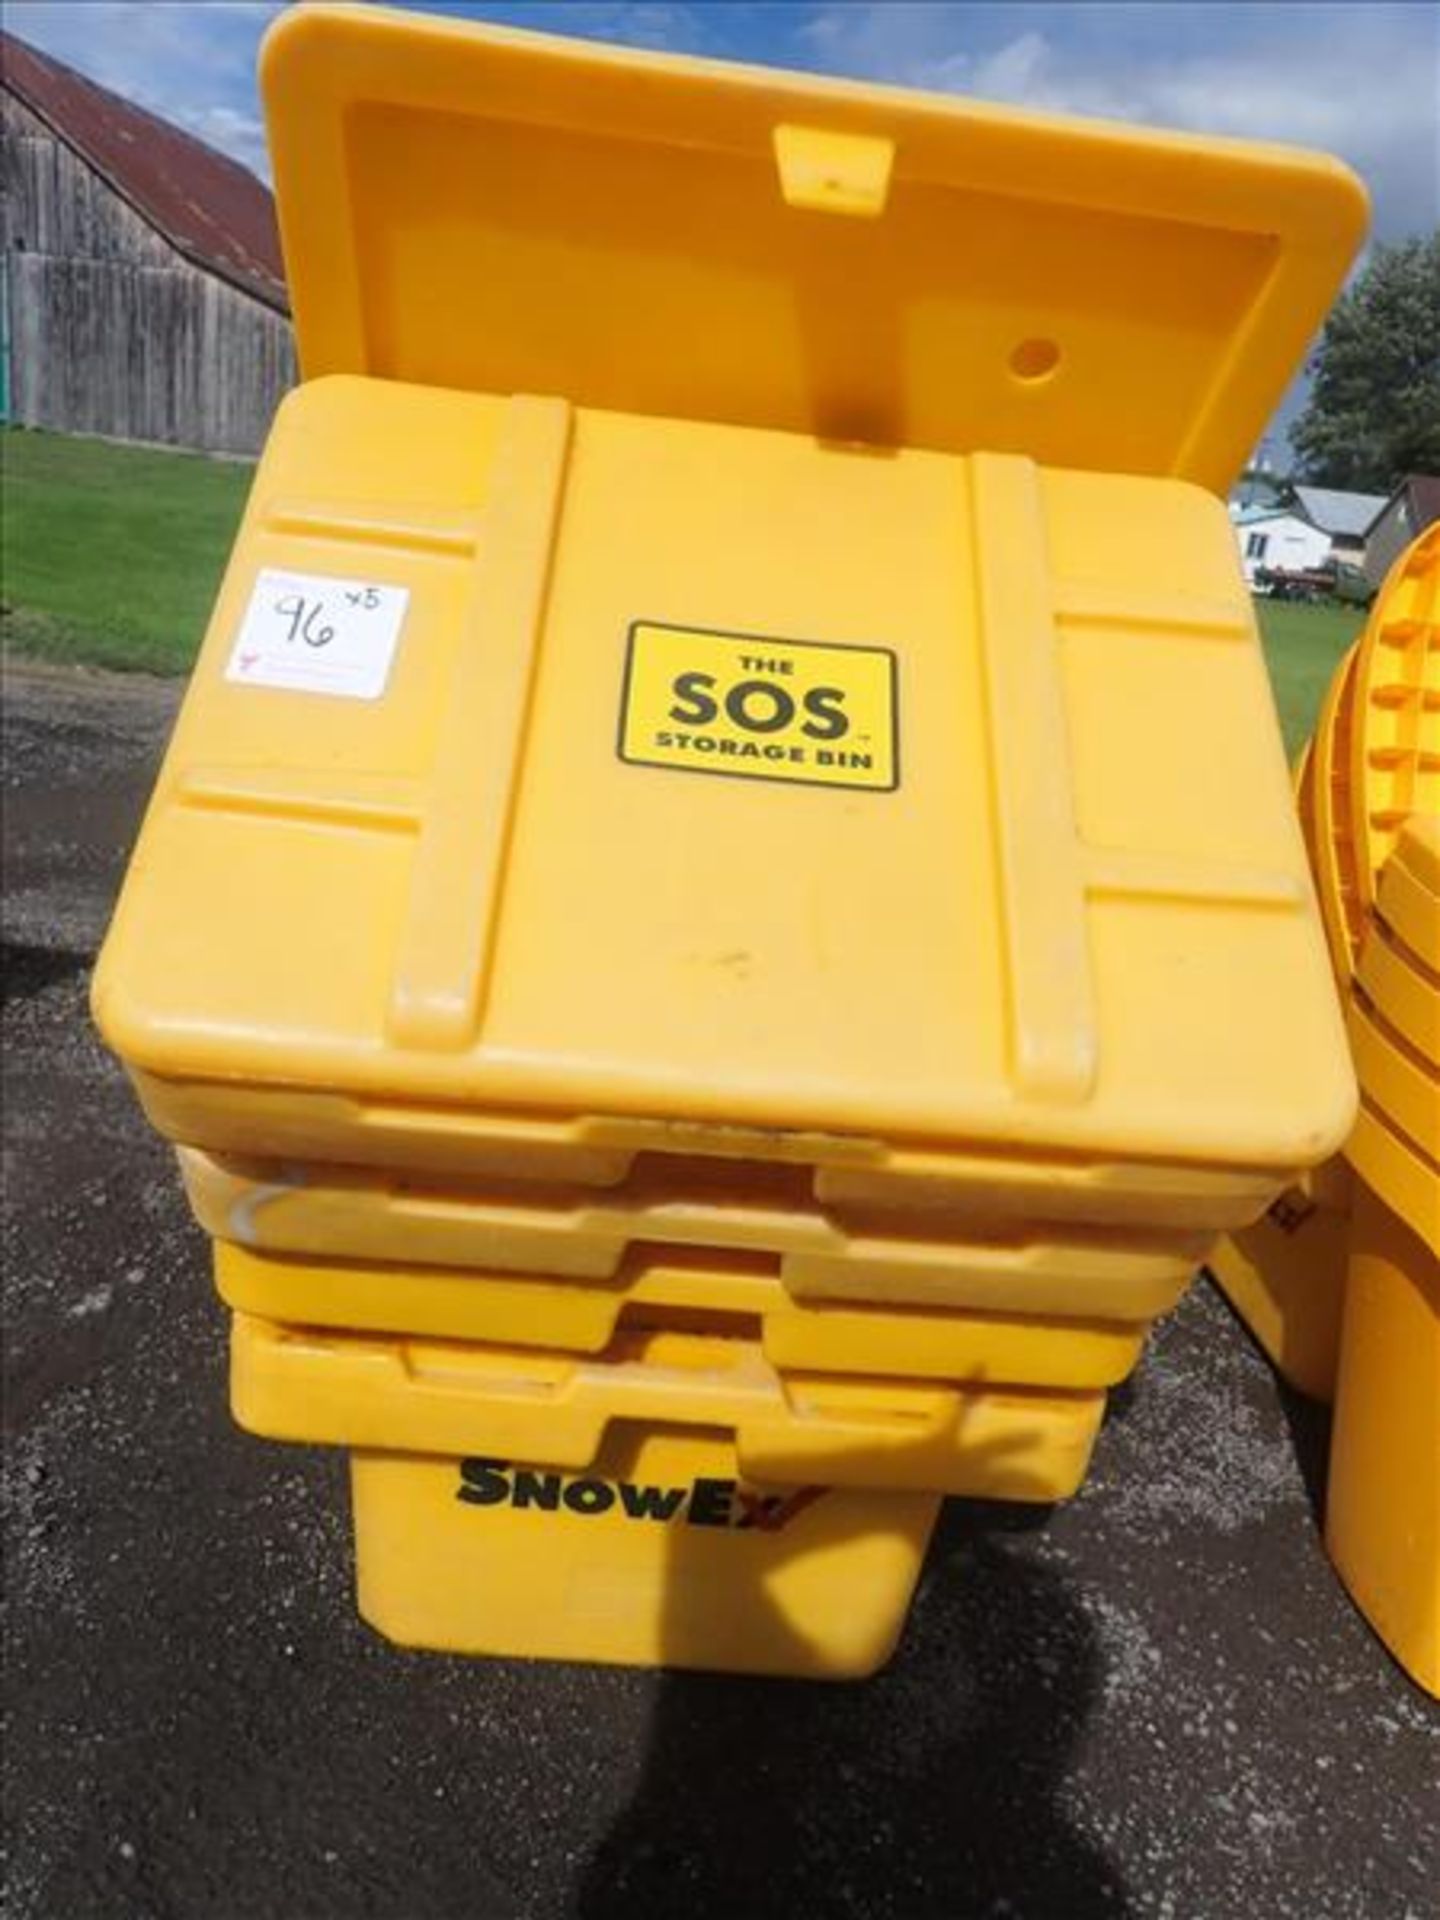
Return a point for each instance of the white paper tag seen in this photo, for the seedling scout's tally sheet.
(314, 633)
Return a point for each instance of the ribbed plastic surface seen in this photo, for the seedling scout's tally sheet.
(1395, 737)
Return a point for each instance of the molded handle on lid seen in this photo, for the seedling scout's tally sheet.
(834, 172)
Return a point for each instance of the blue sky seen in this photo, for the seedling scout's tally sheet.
(1362, 81)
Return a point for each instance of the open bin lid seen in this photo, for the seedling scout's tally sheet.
(480, 209)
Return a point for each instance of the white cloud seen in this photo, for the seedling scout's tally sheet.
(1363, 82)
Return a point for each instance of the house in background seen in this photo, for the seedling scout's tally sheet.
(1346, 517)
(1296, 528)
(143, 294)
(1278, 537)
(1414, 506)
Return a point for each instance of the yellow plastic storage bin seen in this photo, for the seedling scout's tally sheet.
(659, 1553)
(593, 732)
(657, 1288)
(1033, 1268)
(446, 1397)
(1382, 1516)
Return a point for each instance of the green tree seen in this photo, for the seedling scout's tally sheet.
(1374, 410)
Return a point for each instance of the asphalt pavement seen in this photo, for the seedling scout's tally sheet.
(1153, 1701)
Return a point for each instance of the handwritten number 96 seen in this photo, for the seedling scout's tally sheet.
(306, 620)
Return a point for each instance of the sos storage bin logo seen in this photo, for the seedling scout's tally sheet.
(803, 711)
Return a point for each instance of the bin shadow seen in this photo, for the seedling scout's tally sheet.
(1309, 1423)
(935, 1788)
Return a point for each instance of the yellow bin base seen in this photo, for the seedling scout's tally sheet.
(658, 1555)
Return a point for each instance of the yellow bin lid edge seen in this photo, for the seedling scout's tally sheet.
(847, 284)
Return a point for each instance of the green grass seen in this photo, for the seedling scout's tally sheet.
(111, 554)
(1302, 645)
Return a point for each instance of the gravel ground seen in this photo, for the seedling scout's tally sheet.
(1154, 1701)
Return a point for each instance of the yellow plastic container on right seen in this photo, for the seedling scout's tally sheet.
(1382, 1515)
(1394, 743)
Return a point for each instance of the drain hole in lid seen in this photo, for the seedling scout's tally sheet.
(1035, 359)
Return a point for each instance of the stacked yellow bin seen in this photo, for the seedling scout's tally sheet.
(706, 965)
(1341, 1280)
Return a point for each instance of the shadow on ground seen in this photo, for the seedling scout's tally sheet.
(26, 971)
(902, 1795)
